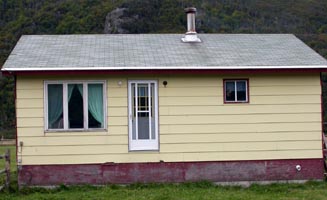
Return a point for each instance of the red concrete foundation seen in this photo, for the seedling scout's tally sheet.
(124, 173)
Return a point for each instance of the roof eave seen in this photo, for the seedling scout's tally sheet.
(14, 69)
(165, 70)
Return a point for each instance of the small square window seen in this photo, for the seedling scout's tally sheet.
(236, 91)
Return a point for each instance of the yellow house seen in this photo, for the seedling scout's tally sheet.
(103, 109)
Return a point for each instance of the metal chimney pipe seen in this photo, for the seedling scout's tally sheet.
(190, 13)
(190, 35)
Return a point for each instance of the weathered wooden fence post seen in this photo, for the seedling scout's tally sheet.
(6, 170)
(7, 167)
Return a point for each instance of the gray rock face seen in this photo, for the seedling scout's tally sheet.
(115, 21)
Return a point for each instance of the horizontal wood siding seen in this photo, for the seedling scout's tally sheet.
(169, 157)
(281, 121)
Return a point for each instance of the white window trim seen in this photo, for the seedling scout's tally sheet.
(65, 105)
(235, 85)
(143, 145)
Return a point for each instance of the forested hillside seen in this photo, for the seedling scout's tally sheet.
(307, 19)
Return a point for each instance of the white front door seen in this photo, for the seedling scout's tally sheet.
(143, 115)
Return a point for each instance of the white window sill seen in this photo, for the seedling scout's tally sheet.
(76, 132)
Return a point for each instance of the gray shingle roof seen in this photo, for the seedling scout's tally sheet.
(161, 51)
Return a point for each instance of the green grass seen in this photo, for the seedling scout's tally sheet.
(186, 191)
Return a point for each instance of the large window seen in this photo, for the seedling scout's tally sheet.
(236, 91)
(75, 105)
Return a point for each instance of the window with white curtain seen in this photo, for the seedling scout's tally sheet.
(78, 105)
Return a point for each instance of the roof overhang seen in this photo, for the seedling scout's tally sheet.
(166, 67)
(165, 70)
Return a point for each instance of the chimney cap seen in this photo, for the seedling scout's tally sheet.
(190, 10)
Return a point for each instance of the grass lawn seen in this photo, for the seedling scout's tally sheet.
(185, 191)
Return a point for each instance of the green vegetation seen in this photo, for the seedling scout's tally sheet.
(7, 108)
(185, 191)
(306, 19)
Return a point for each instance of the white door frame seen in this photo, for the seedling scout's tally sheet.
(150, 144)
